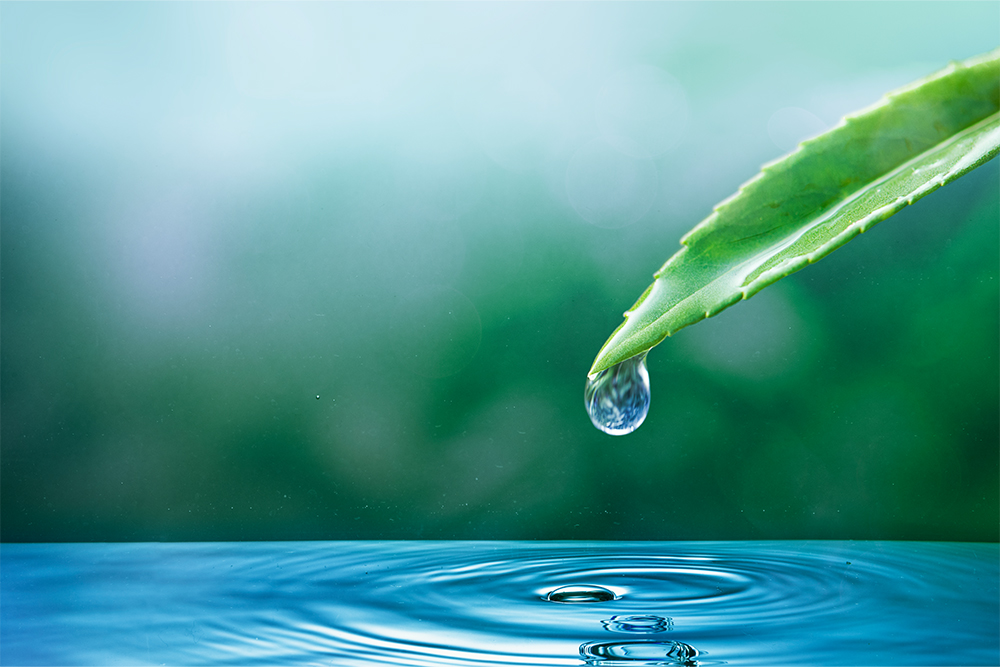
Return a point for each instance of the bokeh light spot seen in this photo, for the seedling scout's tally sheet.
(642, 111)
(609, 188)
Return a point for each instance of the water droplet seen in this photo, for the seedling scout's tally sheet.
(617, 398)
(648, 652)
(580, 594)
(638, 624)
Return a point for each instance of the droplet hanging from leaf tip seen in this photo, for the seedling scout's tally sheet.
(617, 398)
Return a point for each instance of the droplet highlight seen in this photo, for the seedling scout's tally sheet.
(617, 398)
(577, 594)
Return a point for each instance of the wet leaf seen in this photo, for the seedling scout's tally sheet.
(807, 204)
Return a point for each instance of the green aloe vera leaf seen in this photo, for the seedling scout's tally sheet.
(807, 204)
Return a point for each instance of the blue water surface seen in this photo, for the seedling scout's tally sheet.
(499, 603)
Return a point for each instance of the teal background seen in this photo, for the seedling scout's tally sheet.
(296, 271)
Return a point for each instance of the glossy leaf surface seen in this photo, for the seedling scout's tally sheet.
(802, 207)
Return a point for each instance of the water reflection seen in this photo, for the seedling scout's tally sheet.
(638, 624)
(473, 604)
(642, 652)
(638, 651)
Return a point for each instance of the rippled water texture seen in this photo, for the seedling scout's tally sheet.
(500, 603)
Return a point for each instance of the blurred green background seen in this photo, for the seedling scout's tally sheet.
(337, 271)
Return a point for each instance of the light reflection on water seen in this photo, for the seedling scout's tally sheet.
(489, 603)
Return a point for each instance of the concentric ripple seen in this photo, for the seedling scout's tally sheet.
(643, 652)
(502, 603)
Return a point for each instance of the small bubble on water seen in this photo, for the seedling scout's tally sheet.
(617, 398)
(580, 594)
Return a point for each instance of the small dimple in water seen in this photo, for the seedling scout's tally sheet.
(580, 594)
(617, 398)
